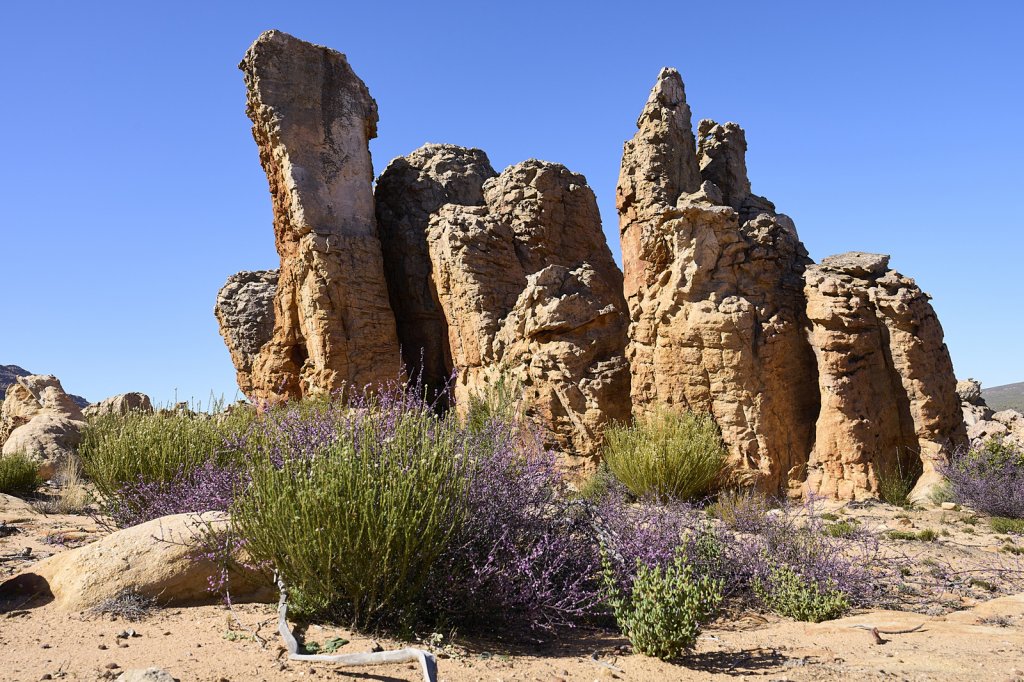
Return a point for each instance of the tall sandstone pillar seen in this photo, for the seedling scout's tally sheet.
(889, 404)
(714, 284)
(312, 120)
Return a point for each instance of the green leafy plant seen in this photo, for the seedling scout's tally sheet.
(355, 524)
(123, 449)
(666, 455)
(789, 594)
(497, 401)
(1001, 524)
(663, 612)
(840, 529)
(19, 475)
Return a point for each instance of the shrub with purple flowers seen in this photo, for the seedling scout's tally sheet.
(750, 547)
(989, 479)
(525, 549)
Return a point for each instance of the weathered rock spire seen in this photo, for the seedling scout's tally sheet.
(714, 291)
(312, 121)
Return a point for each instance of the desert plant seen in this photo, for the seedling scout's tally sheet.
(840, 529)
(896, 482)
(666, 455)
(496, 401)
(138, 447)
(790, 594)
(1001, 524)
(19, 475)
(663, 610)
(355, 520)
(525, 548)
(741, 510)
(71, 497)
(989, 479)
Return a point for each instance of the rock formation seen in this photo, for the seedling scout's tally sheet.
(313, 119)
(982, 422)
(40, 420)
(161, 559)
(530, 291)
(120, 404)
(409, 190)
(10, 373)
(245, 313)
(713, 279)
(889, 401)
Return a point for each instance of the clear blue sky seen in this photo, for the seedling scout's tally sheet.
(131, 187)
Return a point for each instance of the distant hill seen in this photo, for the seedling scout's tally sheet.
(1008, 397)
(8, 374)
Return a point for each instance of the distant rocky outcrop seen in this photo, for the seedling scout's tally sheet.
(985, 423)
(40, 420)
(530, 291)
(713, 278)
(9, 373)
(889, 396)
(120, 404)
(312, 120)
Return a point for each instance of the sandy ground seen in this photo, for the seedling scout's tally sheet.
(963, 631)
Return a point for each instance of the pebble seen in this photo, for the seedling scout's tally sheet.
(112, 666)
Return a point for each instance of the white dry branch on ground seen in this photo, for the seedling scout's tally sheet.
(409, 655)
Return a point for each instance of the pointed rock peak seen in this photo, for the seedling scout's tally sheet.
(668, 93)
(669, 90)
(722, 150)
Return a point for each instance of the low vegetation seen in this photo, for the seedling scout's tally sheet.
(386, 513)
(667, 455)
(989, 479)
(18, 475)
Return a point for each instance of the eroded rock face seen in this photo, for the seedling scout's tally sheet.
(889, 399)
(713, 280)
(313, 119)
(245, 314)
(529, 290)
(982, 422)
(51, 440)
(408, 192)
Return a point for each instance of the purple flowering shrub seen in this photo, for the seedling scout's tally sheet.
(990, 478)
(208, 487)
(525, 551)
(745, 551)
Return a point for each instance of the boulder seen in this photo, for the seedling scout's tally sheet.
(889, 399)
(51, 440)
(312, 120)
(163, 559)
(34, 395)
(407, 193)
(713, 281)
(245, 314)
(530, 291)
(969, 391)
(121, 404)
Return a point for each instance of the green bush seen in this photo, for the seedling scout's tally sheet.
(666, 455)
(789, 594)
(18, 475)
(665, 609)
(1001, 524)
(355, 526)
(126, 449)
